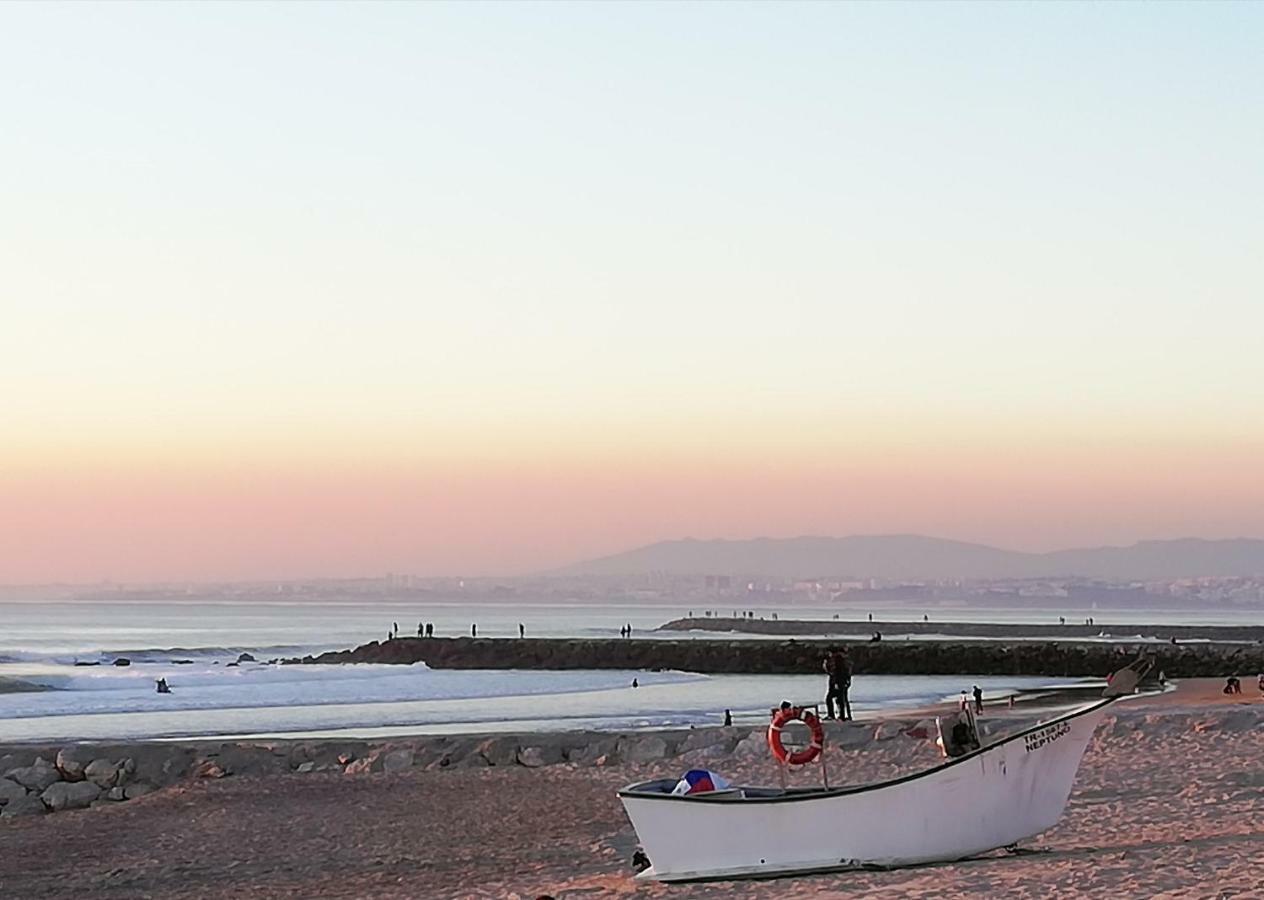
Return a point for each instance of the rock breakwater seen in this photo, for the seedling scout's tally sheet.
(1040, 658)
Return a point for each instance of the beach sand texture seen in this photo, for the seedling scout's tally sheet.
(1167, 803)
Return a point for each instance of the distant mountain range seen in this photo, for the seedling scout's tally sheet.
(906, 556)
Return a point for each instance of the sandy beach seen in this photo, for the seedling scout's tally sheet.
(1166, 804)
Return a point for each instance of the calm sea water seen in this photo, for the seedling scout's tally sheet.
(191, 644)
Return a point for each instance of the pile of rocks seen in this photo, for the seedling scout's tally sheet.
(75, 778)
(83, 776)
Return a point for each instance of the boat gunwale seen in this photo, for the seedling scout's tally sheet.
(805, 794)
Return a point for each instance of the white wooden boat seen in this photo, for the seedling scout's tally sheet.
(992, 797)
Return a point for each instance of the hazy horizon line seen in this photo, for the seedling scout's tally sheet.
(559, 571)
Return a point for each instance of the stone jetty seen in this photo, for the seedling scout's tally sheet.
(793, 656)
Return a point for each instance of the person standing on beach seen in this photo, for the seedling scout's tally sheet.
(474, 631)
(522, 630)
(838, 670)
(978, 699)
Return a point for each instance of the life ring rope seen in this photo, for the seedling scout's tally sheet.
(799, 757)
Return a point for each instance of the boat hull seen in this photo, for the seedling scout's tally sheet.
(991, 798)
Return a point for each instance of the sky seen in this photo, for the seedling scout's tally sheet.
(298, 290)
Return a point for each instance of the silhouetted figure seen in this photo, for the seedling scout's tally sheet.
(728, 716)
(978, 699)
(395, 629)
(474, 631)
(522, 630)
(634, 683)
(640, 862)
(1232, 685)
(162, 686)
(1061, 620)
(421, 630)
(925, 618)
(870, 617)
(838, 667)
(877, 636)
(430, 629)
(628, 627)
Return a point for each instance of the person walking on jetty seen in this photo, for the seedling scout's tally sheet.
(474, 630)
(522, 630)
(978, 699)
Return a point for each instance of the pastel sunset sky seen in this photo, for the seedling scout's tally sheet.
(318, 290)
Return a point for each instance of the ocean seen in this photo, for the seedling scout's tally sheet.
(70, 647)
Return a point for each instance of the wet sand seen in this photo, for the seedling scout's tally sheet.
(1166, 804)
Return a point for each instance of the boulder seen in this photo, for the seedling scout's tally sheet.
(126, 769)
(102, 773)
(706, 738)
(245, 759)
(137, 789)
(499, 751)
(365, 765)
(471, 760)
(245, 657)
(161, 764)
(306, 767)
(30, 805)
(116, 793)
(70, 795)
(542, 755)
(71, 762)
(397, 760)
(17, 760)
(35, 778)
(642, 750)
(595, 749)
(887, 730)
(753, 745)
(852, 736)
(10, 790)
(122, 661)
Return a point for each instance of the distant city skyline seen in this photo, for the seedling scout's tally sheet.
(341, 289)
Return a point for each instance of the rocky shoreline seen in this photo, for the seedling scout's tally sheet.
(766, 657)
(39, 780)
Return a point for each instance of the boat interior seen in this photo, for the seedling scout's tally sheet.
(667, 786)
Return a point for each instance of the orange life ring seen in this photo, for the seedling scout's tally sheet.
(808, 753)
